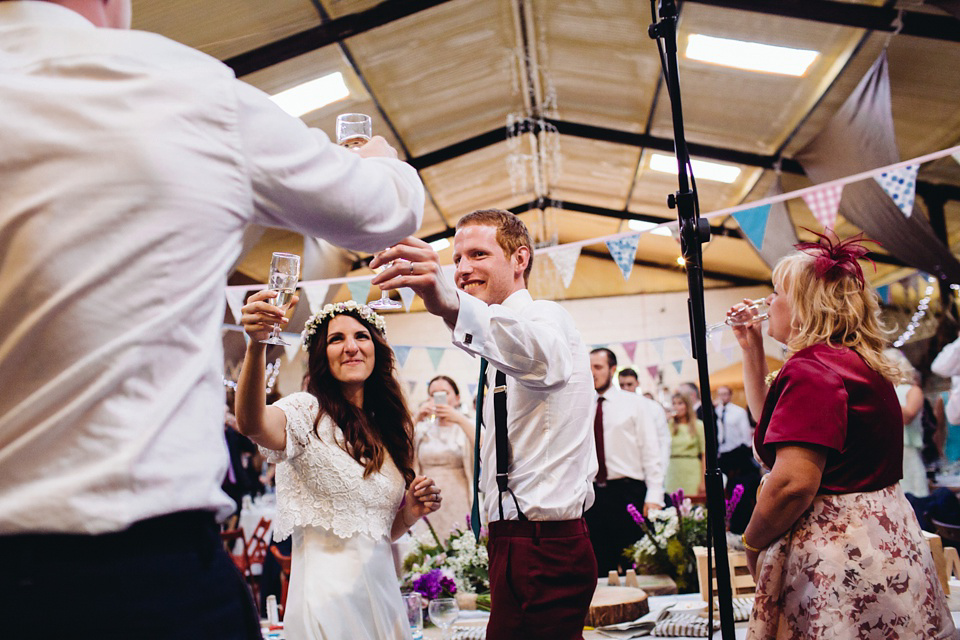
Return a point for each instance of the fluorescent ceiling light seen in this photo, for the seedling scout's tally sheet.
(750, 56)
(312, 95)
(704, 169)
(643, 225)
(440, 245)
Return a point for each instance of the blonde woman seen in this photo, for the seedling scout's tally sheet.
(687, 446)
(833, 543)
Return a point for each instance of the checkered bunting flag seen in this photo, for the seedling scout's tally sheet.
(824, 203)
(901, 186)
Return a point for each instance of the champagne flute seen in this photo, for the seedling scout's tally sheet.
(443, 613)
(741, 319)
(384, 301)
(284, 273)
(354, 129)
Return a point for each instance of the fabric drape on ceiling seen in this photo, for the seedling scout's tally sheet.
(860, 137)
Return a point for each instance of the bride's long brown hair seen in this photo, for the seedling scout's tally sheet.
(384, 423)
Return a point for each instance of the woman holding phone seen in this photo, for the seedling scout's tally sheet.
(443, 450)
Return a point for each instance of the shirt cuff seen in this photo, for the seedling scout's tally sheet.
(473, 322)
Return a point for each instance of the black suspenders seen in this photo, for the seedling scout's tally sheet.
(503, 443)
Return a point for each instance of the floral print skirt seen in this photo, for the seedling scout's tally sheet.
(853, 566)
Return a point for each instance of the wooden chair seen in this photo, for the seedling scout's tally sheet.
(950, 533)
(236, 545)
(256, 552)
(284, 562)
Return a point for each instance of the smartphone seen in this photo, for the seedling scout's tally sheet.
(440, 397)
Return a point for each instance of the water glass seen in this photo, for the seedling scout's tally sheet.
(414, 607)
(443, 613)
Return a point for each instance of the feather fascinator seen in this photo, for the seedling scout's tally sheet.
(835, 257)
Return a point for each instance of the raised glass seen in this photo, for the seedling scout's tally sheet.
(284, 274)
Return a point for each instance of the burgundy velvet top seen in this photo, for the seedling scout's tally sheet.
(830, 397)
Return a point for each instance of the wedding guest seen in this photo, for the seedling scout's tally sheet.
(832, 530)
(130, 167)
(687, 449)
(537, 405)
(735, 455)
(443, 449)
(910, 396)
(630, 463)
(628, 380)
(692, 391)
(345, 480)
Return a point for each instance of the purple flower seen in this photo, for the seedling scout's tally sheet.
(677, 497)
(433, 583)
(635, 514)
(734, 500)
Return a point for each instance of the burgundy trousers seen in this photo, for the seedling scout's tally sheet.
(542, 578)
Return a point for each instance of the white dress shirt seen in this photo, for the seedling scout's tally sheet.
(733, 428)
(630, 440)
(130, 166)
(549, 390)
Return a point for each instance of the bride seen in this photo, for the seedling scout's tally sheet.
(345, 480)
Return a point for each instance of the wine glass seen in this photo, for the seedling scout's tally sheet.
(284, 273)
(384, 301)
(354, 129)
(443, 613)
(742, 319)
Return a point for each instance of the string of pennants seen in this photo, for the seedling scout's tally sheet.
(897, 180)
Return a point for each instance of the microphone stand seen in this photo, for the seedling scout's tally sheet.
(695, 230)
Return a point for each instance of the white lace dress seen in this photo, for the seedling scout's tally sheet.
(342, 580)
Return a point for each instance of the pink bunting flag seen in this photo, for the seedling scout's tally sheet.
(824, 204)
(631, 349)
(654, 371)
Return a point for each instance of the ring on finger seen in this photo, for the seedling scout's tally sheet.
(410, 268)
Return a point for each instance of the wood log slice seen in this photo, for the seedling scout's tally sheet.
(611, 605)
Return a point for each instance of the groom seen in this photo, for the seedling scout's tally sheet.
(542, 569)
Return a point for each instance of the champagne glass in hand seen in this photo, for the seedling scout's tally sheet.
(284, 273)
(443, 613)
(741, 316)
(384, 301)
(354, 129)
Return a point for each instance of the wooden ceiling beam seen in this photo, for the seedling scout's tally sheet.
(330, 32)
(847, 14)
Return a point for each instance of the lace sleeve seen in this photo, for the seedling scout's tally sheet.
(301, 411)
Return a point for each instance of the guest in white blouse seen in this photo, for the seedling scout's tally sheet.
(131, 167)
(443, 450)
(542, 569)
(345, 480)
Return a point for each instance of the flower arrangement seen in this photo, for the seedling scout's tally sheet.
(460, 566)
(669, 536)
(351, 307)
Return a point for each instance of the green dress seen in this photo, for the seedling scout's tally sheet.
(683, 472)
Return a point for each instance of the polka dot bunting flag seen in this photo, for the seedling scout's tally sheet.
(901, 186)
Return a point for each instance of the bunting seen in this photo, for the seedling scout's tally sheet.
(472, 386)
(753, 223)
(824, 203)
(235, 298)
(631, 349)
(401, 352)
(411, 385)
(901, 186)
(654, 372)
(685, 343)
(406, 295)
(359, 290)
(565, 261)
(316, 293)
(624, 251)
(884, 293)
(678, 365)
(658, 347)
(292, 348)
(435, 353)
(727, 354)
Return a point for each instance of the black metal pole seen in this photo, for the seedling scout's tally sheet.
(693, 232)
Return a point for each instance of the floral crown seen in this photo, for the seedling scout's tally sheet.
(350, 307)
(834, 259)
